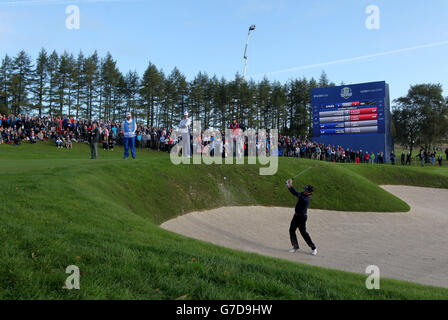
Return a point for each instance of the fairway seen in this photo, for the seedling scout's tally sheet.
(60, 209)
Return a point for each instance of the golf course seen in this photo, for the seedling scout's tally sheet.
(58, 208)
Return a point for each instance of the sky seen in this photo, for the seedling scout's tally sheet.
(293, 38)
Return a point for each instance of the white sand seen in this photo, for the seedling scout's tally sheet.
(407, 246)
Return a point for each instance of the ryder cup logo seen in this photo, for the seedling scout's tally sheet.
(346, 93)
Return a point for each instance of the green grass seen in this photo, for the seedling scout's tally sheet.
(415, 161)
(434, 177)
(58, 208)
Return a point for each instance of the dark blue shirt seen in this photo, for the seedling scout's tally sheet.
(303, 203)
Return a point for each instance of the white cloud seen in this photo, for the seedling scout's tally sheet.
(375, 55)
(22, 3)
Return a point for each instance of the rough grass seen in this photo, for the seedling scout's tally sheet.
(434, 177)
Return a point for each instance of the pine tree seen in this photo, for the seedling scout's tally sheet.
(248, 102)
(151, 91)
(20, 82)
(119, 92)
(63, 81)
(198, 96)
(278, 99)
(5, 83)
(180, 94)
(78, 82)
(91, 74)
(71, 84)
(176, 97)
(323, 80)
(297, 105)
(133, 87)
(108, 83)
(40, 79)
(264, 103)
(53, 74)
(221, 102)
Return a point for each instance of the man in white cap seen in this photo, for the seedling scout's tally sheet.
(129, 127)
(184, 126)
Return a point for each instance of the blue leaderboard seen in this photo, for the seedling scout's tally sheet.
(354, 116)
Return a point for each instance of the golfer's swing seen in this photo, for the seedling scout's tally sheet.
(301, 216)
(302, 173)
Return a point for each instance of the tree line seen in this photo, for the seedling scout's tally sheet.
(421, 117)
(93, 87)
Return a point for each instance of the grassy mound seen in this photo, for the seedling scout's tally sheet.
(58, 209)
(433, 177)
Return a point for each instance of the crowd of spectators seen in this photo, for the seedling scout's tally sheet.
(292, 147)
(65, 131)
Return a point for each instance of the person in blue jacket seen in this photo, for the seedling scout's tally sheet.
(129, 127)
(300, 218)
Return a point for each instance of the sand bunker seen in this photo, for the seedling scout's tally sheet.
(406, 246)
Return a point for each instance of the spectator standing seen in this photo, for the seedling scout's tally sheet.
(105, 138)
(392, 158)
(367, 157)
(162, 142)
(235, 127)
(129, 127)
(111, 143)
(184, 126)
(114, 132)
(422, 158)
(408, 158)
(148, 139)
(144, 139)
(94, 138)
(139, 140)
(372, 158)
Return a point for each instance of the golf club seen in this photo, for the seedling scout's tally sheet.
(303, 172)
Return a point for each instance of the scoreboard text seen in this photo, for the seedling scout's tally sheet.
(353, 116)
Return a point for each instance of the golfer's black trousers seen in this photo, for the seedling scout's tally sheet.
(299, 221)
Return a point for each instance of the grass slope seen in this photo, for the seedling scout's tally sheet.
(434, 177)
(59, 209)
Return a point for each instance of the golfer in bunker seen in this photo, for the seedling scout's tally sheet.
(300, 218)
